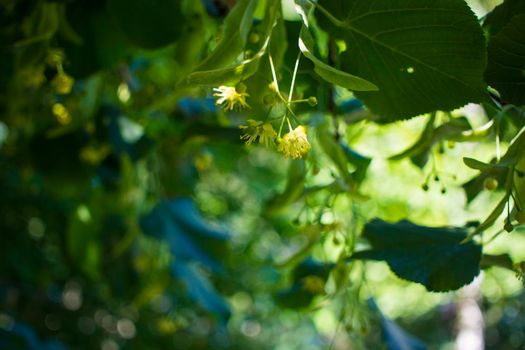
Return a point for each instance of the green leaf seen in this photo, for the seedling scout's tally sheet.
(308, 281)
(328, 73)
(360, 162)
(200, 289)
(236, 28)
(336, 153)
(519, 183)
(502, 14)
(236, 73)
(476, 164)
(419, 152)
(395, 337)
(423, 55)
(226, 76)
(294, 188)
(190, 237)
(506, 66)
(432, 256)
(98, 44)
(148, 24)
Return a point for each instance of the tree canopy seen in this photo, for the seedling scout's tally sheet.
(261, 174)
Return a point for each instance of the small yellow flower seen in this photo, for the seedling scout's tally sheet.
(266, 134)
(55, 57)
(229, 98)
(295, 144)
(257, 129)
(61, 113)
(313, 284)
(63, 83)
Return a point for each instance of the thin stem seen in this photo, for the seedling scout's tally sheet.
(274, 77)
(60, 69)
(498, 149)
(282, 124)
(300, 101)
(293, 77)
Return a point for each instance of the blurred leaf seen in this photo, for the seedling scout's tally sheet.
(432, 256)
(474, 186)
(309, 278)
(350, 105)
(394, 336)
(200, 289)
(519, 183)
(499, 170)
(217, 8)
(336, 153)
(419, 152)
(360, 162)
(101, 43)
(236, 28)
(189, 236)
(234, 74)
(506, 61)
(127, 137)
(150, 24)
(21, 336)
(293, 189)
(476, 164)
(425, 51)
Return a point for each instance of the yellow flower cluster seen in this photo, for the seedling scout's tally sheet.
(229, 98)
(61, 113)
(295, 144)
(258, 129)
(63, 83)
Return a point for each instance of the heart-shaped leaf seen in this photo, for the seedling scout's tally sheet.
(432, 256)
(423, 55)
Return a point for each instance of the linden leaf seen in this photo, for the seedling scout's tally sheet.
(506, 68)
(423, 55)
(432, 256)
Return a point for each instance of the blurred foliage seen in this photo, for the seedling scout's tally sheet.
(148, 199)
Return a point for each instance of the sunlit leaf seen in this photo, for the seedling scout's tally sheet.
(236, 28)
(423, 56)
(432, 256)
(231, 75)
(325, 71)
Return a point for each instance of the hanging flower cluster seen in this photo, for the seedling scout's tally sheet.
(62, 82)
(229, 97)
(258, 129)
(295, 144)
